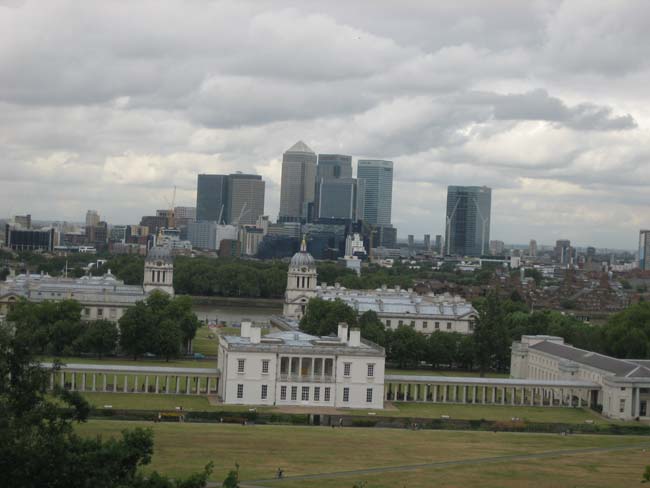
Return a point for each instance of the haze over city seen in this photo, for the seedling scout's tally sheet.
(545, 102)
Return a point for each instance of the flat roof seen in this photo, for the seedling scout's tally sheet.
(118, 368)
(469, 380)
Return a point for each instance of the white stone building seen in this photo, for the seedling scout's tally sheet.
(294, 368)
(624, 383)
(395, 307)
(101, 297)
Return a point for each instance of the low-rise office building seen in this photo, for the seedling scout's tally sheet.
(624, 383)
(294, 368)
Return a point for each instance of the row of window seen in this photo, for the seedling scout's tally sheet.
(112, 312)
(347, 367)
(425, 324)
(304, 393)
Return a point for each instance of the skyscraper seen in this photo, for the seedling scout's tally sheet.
(92, 218)
(211, 197)
(532, 248)
(246, 198)
(334, 166)
(468, 220)
(378, 201)
(298, 182)
(427, 242)
(563, 251)
(438, 244)
(340, 198)
(644, 250)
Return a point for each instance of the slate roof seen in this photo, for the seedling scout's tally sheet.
(619, 367)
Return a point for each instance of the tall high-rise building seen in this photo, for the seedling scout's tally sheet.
(211, 197)
(644, 250)
(532, 248)
(427, 242)
(334, 166)
(298, 183)
(563, 251)
(92, 218)
(245, 198)
(468, 220)
(340, 198)
(438, 244)
(497, 248)
(23, 221)
(378, 200)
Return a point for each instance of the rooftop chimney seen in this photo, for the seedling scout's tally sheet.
(343, 331)
(246, 328)
(355, 337)
(255, 335)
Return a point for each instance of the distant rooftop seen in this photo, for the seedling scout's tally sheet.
(300, 147)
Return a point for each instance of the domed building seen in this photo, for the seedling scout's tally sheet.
(301, 283)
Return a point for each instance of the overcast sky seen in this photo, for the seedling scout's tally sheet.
(108, 105)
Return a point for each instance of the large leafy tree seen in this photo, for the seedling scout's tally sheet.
(372, 328)
(323, 316)
(40, 447)
(100, 337)
(491, 338)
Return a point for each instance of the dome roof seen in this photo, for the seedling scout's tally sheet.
(159, 253)
(302, 257)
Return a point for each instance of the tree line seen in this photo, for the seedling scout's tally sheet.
(499, 323)
(159, 325)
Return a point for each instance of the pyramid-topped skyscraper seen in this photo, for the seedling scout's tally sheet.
(298, 183)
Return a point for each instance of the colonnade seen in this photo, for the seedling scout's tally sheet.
(486, 394)
(155, 383)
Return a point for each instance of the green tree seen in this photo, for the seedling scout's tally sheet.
(232, 479)
(491, 338)
(323, 316)
(372, 328)
(100, 337)
(169, 338)
(137, 328)
(406, 346)
(39, 446)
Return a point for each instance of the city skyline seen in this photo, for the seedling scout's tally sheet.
(537, 104)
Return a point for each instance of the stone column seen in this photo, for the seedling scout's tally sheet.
(187, 384)
(125, 384)
(178, 384)
(104, 375)
(135, 384)
(73, 378)
(503, 395)
(426, 393)
(207, 388)
(484, 394)
(83, 381)
(494, 395)
(94, 382)
(435, 394)
(198, 385)
(444, 393)
(51, 381)
(146, 384)
(513, 395)
(474, 390)
(157, 383)
(167, 385)
(62, 379)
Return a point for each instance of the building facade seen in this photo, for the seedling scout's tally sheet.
(211, 197)
(340, 198)
(301, 283)
(19, 239)
(245, 198)
(294, 368)
(159, 271)
(468, 220)
(396, 307)
(644, 250)
(624, 391)
(378, 188)
(298, 183)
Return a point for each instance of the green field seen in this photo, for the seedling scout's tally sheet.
(181, 449)
(206, 342)
(131, 401)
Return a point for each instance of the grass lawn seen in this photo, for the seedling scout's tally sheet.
(206, 341)
(444, 372)
(601, 470)
(181, 449)
(494, 412)
(187, 363)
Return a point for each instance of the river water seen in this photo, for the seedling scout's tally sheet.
(235, 314)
